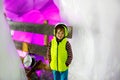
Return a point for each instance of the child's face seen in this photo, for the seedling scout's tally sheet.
(60, 34)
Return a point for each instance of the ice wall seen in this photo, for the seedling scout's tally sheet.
(96, 38)
(10, 63)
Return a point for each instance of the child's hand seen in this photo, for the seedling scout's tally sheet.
(67, 64)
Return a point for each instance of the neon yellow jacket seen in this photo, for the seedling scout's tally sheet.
(58, 55)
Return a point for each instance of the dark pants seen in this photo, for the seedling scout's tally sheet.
(60, 75)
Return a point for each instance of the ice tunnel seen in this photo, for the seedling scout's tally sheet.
(95, 39)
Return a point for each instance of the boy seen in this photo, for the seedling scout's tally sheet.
(60, 53)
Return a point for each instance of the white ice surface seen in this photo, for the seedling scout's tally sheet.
(96, 38)
(10, 63)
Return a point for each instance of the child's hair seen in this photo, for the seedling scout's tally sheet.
(62, 27)
(59, 26)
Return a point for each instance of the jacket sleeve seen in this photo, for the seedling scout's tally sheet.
(70, 55)
(48, 52)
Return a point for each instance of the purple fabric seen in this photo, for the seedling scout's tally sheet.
(31, 11)
(34, 11)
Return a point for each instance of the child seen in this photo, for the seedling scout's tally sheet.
(60, 53)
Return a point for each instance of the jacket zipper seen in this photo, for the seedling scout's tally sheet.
(57, 57)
